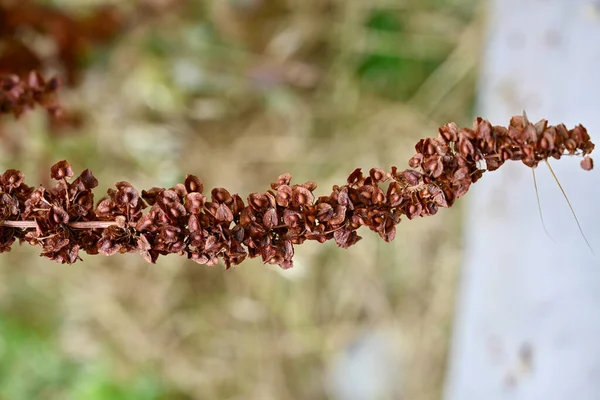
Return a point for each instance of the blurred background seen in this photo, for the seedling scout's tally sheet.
(237, 92)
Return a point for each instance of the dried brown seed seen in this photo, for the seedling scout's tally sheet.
(258, 201)
(412, 177)
(366, 194)
(394, 194)
(180, 189)
(193, 184)
(108, 247)
(377, 175)
(437, 195)
(413, 210)
(324, 211)
(449, 132)
(61, 170)
(58, 216)
(466, 148)
(587, 163)
(291, 218)
(224, 213)
(12, 179)
(284, 179)
(579, 134)
(483, 129)
(87, 180)
(339, 216)
(466, 134)
(356, 177)
(270, 219)
(151, 195)
(301, 196)
(221, 195)
(310, 185)
(431, 208)
(126, 195)
(415, 161)
(284, 195)
(194, 202)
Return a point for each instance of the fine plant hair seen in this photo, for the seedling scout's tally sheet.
(65, 219)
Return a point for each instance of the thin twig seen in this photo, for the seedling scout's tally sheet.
(74, 225)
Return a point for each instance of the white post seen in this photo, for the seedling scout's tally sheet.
(528, 315)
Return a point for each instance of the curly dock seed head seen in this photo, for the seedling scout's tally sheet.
(182, 220)
(17, 96)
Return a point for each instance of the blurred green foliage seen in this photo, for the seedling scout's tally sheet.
(33, 367)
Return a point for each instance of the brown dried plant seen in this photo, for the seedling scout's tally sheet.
(17, 95)
(63, 220)
(71, 36)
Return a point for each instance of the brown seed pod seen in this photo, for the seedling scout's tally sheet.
(63, 221)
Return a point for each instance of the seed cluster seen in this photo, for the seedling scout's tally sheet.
(182, 220)
(17, 95)
(68, 37)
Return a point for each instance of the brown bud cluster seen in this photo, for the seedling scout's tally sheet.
(17, 95)
(220, 225)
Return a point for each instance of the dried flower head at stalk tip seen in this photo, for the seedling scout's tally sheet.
(219, 225)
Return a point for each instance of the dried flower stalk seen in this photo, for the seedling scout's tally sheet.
(63, 220)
